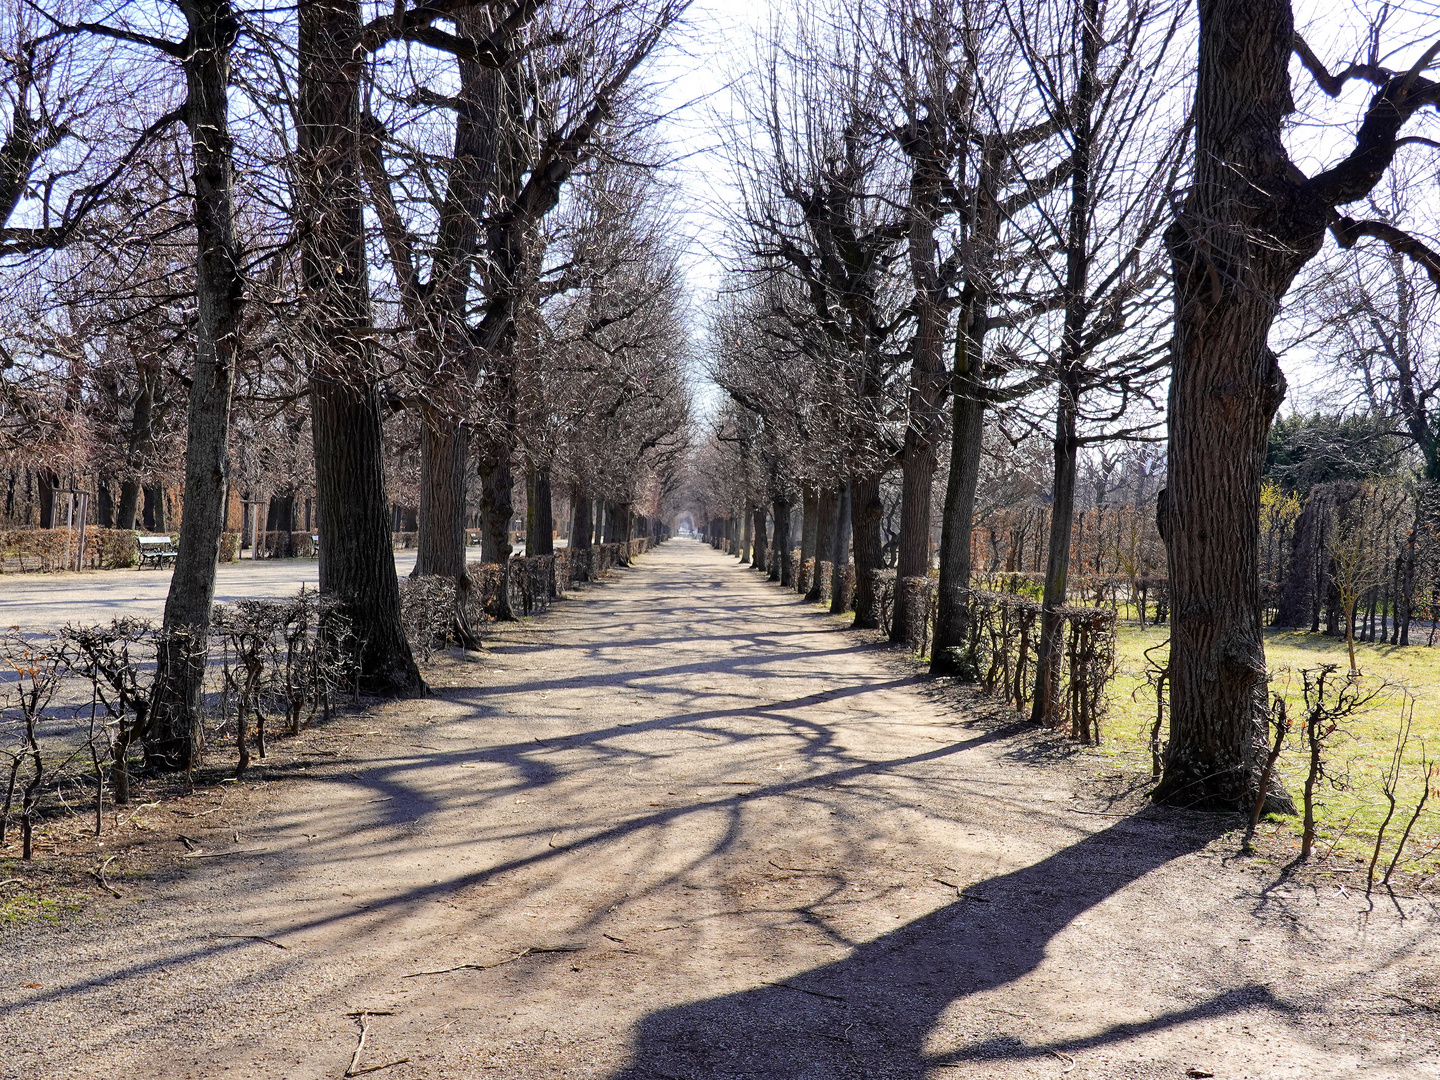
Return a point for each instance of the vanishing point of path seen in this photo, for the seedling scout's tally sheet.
(687, 827)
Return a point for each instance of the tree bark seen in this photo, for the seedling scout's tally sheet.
(444, 458)
(840, 553)
(544, 513)
(866, 512)
(357, 561)
(175, 738)
(969, 399)
(1231, 266)
(826, 508)
(496, 501)
(781, 569)
(758, 537)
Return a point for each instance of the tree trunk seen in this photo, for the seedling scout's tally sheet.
(758, 537)
(1234, 255)
(543, 514)
(866, 513)
(357, 560)
(105, 503)
(175, 737)
(1049, 659)
(809, 526)
(952, 620)
(781, 569)
(444, 456)
(840, 553)
(825, 507)
(129, 505)
(496, 501)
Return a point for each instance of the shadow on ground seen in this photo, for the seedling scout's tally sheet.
(874, 1012)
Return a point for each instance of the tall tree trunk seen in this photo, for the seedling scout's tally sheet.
(357, 560)
(826, 507)
(175, 737)
(1232, 259)
(105, 503)
(809, 524)
(1071, 357)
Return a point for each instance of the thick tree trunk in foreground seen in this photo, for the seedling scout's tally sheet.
(176, 736)
(1249, 222)
(357, 561)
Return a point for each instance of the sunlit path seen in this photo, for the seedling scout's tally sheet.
(766, 853)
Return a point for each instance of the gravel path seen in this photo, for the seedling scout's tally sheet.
(686, 827)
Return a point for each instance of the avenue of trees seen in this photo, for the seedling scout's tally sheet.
(1008, 288)
(1008, 283)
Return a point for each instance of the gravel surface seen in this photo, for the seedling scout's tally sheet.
(685, 826)
(48, 601)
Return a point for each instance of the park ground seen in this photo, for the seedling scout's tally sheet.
(687, 826)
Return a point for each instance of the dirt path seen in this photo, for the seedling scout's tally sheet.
(773, 856)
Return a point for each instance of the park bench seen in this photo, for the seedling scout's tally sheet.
(156, 550)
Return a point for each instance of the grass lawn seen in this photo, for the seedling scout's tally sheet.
(1350, 810)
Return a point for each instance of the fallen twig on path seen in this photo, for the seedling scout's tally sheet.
(99, 875)
(802, 990)
(1069, 1061)
(798, 869)
(221, 854)
(12, 881)
(529, 951)
(253, 937)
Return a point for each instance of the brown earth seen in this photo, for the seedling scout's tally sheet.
(765, 849)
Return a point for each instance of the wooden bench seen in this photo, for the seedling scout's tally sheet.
(156, 550)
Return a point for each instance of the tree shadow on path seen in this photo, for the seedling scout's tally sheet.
(871, 1013)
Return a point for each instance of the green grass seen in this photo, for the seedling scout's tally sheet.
(1348, 816)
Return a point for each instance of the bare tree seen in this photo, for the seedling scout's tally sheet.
(1251, 219)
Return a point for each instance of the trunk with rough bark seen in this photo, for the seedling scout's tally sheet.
(175, 737)
(866, 514)
(444, 456)
(1248, 224)
(809, 524)
(543, 514)
(969, 398)
(496, 500)
(357, 562)
(781, 569)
